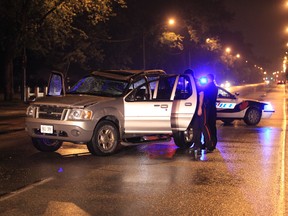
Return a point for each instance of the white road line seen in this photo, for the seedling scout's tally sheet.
(26, 188)
(281, 204)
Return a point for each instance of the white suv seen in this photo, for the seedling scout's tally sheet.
(107, 109)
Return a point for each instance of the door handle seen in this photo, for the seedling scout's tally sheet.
(164, 106)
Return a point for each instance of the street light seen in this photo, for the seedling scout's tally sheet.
(171, 21)
(228, 50)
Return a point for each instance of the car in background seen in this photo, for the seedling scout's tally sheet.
(230, 107)
(226, 84)
(107, 109)
(279, 82)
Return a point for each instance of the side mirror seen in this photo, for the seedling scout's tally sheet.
(56, 86)
(236, 94)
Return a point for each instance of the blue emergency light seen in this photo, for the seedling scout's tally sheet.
(203, 80)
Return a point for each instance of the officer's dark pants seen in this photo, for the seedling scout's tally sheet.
(210, 130)
(197, 124)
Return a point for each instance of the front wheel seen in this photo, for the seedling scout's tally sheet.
(46, 145)
(183, 139)
(105, 139)
(252, 116)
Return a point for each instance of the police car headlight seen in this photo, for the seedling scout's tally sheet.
(30, 111)
(80, 114)
(268, 108)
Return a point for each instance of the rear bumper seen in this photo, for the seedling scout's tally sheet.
(267, 114)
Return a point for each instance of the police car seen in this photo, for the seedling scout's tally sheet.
(230, 107)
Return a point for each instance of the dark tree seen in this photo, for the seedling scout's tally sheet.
(46, 27)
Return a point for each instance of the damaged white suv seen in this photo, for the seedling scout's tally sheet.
(107, 109)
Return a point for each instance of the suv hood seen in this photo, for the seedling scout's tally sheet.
(79, 101)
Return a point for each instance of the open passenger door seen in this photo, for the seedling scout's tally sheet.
(56, 84)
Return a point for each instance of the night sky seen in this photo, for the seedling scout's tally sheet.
(263, 24)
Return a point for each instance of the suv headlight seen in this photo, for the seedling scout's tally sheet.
(80, 114)
(30, 111)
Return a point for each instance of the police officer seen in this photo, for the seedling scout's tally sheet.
(210, 113)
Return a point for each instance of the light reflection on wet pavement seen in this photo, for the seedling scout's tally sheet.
(153, 151)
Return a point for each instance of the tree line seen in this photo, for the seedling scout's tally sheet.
(77, 36)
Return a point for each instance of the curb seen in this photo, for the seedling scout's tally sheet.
(12, 108)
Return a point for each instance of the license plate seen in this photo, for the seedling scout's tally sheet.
(48, 129)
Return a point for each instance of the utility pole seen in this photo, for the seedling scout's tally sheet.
(144, 50)
(24, 66)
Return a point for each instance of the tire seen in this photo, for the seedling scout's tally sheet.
(183, 139)
(105, 139)
(227, 121)
(252, 116)
(46, 145)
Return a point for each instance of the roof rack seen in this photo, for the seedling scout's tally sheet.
(126, 74)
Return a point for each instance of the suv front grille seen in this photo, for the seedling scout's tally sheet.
(51, 112)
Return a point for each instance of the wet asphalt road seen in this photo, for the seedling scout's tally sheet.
(246, 175)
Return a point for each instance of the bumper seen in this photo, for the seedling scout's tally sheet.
(267, 114)
(71, 131)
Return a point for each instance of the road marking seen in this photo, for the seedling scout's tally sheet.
(64, 208)
(281, 204)
(25, 188)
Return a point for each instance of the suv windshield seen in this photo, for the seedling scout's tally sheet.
(100, 86)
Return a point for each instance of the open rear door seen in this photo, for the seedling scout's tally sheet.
(56, 84)
(184, 96)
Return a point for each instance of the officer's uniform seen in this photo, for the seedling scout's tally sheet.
(210, 115)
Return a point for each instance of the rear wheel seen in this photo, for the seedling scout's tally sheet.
(183, 139)
(46, 145)
(252, 116)
(105, 139)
